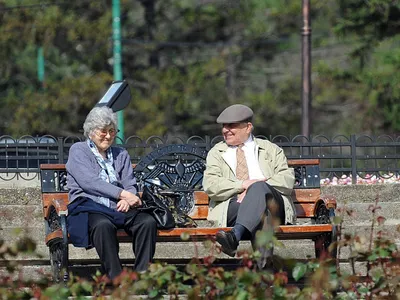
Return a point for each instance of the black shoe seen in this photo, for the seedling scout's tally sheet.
(228, 242)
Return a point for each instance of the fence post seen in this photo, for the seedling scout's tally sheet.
(353, 159)
(208, 143)
(60, 150)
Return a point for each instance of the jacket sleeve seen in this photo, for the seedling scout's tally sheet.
(80, 168)
(217, 187)
(283, 178)
(128, 180)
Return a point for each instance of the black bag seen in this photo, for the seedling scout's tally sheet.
(170, 198)
(184, 221)
(153, 204)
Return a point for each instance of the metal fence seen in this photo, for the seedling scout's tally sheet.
(360, 156)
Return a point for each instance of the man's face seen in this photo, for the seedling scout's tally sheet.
(236, 133)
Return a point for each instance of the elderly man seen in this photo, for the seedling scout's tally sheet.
(249, 182)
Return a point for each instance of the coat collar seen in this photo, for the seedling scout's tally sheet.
(222, 146)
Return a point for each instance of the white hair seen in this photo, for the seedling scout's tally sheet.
(99, 118)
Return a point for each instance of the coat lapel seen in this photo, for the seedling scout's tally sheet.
(230, 157)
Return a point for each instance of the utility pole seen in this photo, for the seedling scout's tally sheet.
(116, 26)
(306, 69)
(40, 67)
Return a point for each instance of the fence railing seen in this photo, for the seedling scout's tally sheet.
(356, 155)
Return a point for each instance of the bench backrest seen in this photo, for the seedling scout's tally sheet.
(180, 176)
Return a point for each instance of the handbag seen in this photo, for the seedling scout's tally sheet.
(170, 197)
(184, 221)
(153, 204)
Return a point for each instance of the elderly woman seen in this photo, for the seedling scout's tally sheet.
(103, 196)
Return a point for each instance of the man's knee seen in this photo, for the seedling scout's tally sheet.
(258, 186)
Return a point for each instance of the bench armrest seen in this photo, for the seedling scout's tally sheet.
(330, 201)
(59, 205)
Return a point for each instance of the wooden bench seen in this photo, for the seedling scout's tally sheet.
(179, 168)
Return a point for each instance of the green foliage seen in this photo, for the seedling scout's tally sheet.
(299, 271)
(187, 60)
(368, 85)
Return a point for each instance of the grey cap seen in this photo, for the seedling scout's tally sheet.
(235, 114)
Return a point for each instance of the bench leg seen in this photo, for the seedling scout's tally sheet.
(56, 253)
(58, 248)
(65, 254)
(322, 244)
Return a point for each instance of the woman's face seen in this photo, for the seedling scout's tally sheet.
(103, 138)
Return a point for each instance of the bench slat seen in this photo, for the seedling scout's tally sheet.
(200, 197)
(291, 232)
(306, 195)
(52, 167)
(200, 212)
(298, 195)
(302, 162)
(305, 210)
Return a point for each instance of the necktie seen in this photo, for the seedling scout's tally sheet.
(242, 171)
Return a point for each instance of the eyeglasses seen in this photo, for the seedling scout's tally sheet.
(103, 132)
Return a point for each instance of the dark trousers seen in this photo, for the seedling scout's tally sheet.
(261, 204)
(103, 236)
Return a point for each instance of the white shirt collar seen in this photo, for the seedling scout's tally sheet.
(248, 143)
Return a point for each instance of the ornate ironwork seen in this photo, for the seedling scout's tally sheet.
(322, 215)
(62, 177)
(307, 176)
(53, 181)
(54, 220)
(180, 172)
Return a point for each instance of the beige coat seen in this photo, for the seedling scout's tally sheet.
(220, 182)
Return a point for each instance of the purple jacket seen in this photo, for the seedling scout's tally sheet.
(83, 173)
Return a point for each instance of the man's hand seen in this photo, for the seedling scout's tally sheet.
(249, 182)
(131, 199)
(246, 184)
(240, 197)
(123, 206)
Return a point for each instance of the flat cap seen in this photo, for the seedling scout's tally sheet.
(235, 114)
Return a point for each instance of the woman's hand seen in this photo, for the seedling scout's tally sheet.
(131, 199)
(123, 206)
